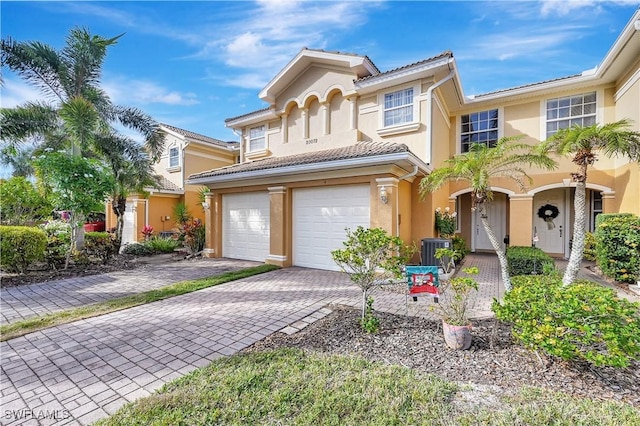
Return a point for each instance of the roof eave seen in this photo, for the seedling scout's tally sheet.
(316, 167)
(251, 119)
(403, 75)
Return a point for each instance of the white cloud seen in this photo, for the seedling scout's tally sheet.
(15, 92)
(564, 7)
(143, 92)
(522, 42)
(278, 30)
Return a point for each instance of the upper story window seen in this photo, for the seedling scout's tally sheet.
(565, 112)
(398, 107)
(479, 127)
(174, 157)
(256, 138)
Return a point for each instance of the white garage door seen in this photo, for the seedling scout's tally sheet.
(245, 226)
(320, 216)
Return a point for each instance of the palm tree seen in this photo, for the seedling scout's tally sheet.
(582, 143)
(478, 167)
(76, 112)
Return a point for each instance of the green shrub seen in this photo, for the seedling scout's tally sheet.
(162, 245)
(589, 246)
(58, 242)
(100, 245)
(618, 246)
(137, 249)
(581, 321)
(20, 246)
(460, 247)
(527, 261)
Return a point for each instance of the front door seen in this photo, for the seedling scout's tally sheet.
(496, 214)
(549, 221)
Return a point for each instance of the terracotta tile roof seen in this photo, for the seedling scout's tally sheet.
(359, 150)
(445, 54)
(525, 85)
(165, 184)
(201, 138)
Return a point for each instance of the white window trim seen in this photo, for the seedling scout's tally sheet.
(404, 127)
(177, 167)
(458, 124)
(248, 139)
(543, 108)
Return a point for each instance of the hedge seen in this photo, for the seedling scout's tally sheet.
(582, 321)
(527, 260)
(20, 246)
(618, 246)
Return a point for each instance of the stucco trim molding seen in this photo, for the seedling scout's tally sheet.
(277, 258)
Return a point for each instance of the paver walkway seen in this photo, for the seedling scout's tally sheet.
(26, 301)
(80, 372)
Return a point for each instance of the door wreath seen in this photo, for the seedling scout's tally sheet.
(548, 212)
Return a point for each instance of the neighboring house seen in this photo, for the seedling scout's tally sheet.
(342, 144)
(185, 153)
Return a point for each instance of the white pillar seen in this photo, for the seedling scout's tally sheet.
(326, 118)
(353, 114)
(284, 128)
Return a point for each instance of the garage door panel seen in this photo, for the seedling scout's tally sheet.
(245, 226)
(319, 220)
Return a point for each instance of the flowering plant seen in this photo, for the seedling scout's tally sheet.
(446, 222)
(147, 232)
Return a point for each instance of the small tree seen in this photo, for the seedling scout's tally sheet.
(370, 256)
(21, 203)
(79, 186)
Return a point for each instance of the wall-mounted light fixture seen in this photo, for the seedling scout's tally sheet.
(205, 205)
(383, 195)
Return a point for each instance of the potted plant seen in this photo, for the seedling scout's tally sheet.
(447, 267)
(446, 222)
(452, 308)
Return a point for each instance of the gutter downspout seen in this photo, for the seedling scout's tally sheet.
(241, 144)
(430, 90)
(401, 178)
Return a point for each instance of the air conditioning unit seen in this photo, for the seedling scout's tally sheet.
(428, 250)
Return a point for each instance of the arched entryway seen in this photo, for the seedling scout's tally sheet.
(470, 224)
(553, 215)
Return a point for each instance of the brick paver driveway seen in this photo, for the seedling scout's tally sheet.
(26, 301)
(86, 370)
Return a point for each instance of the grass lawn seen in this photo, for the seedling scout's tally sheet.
(289, 386)
(30, 325)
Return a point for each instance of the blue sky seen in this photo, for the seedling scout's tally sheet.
(193, 64)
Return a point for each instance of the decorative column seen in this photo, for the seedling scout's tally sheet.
(326, 118)
(353, 115)
(209, 225)
(284, 127)
(609, 204)
(384, 205)
(305, 123)
(280, 225)
(520, 220)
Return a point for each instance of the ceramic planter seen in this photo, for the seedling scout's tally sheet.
(457, 337)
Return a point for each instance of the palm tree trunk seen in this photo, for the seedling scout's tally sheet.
(502, 257)
(579, 222)
(119, 205)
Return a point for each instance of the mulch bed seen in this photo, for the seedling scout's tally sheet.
(494, 359)
(119, 263)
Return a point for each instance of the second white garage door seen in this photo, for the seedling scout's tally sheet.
(245, 226)
(320, 216)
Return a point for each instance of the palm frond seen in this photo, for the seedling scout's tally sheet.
(37, 63)
(27, 121)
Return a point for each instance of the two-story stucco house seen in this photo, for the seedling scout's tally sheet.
(185, 153)
(343, 144)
